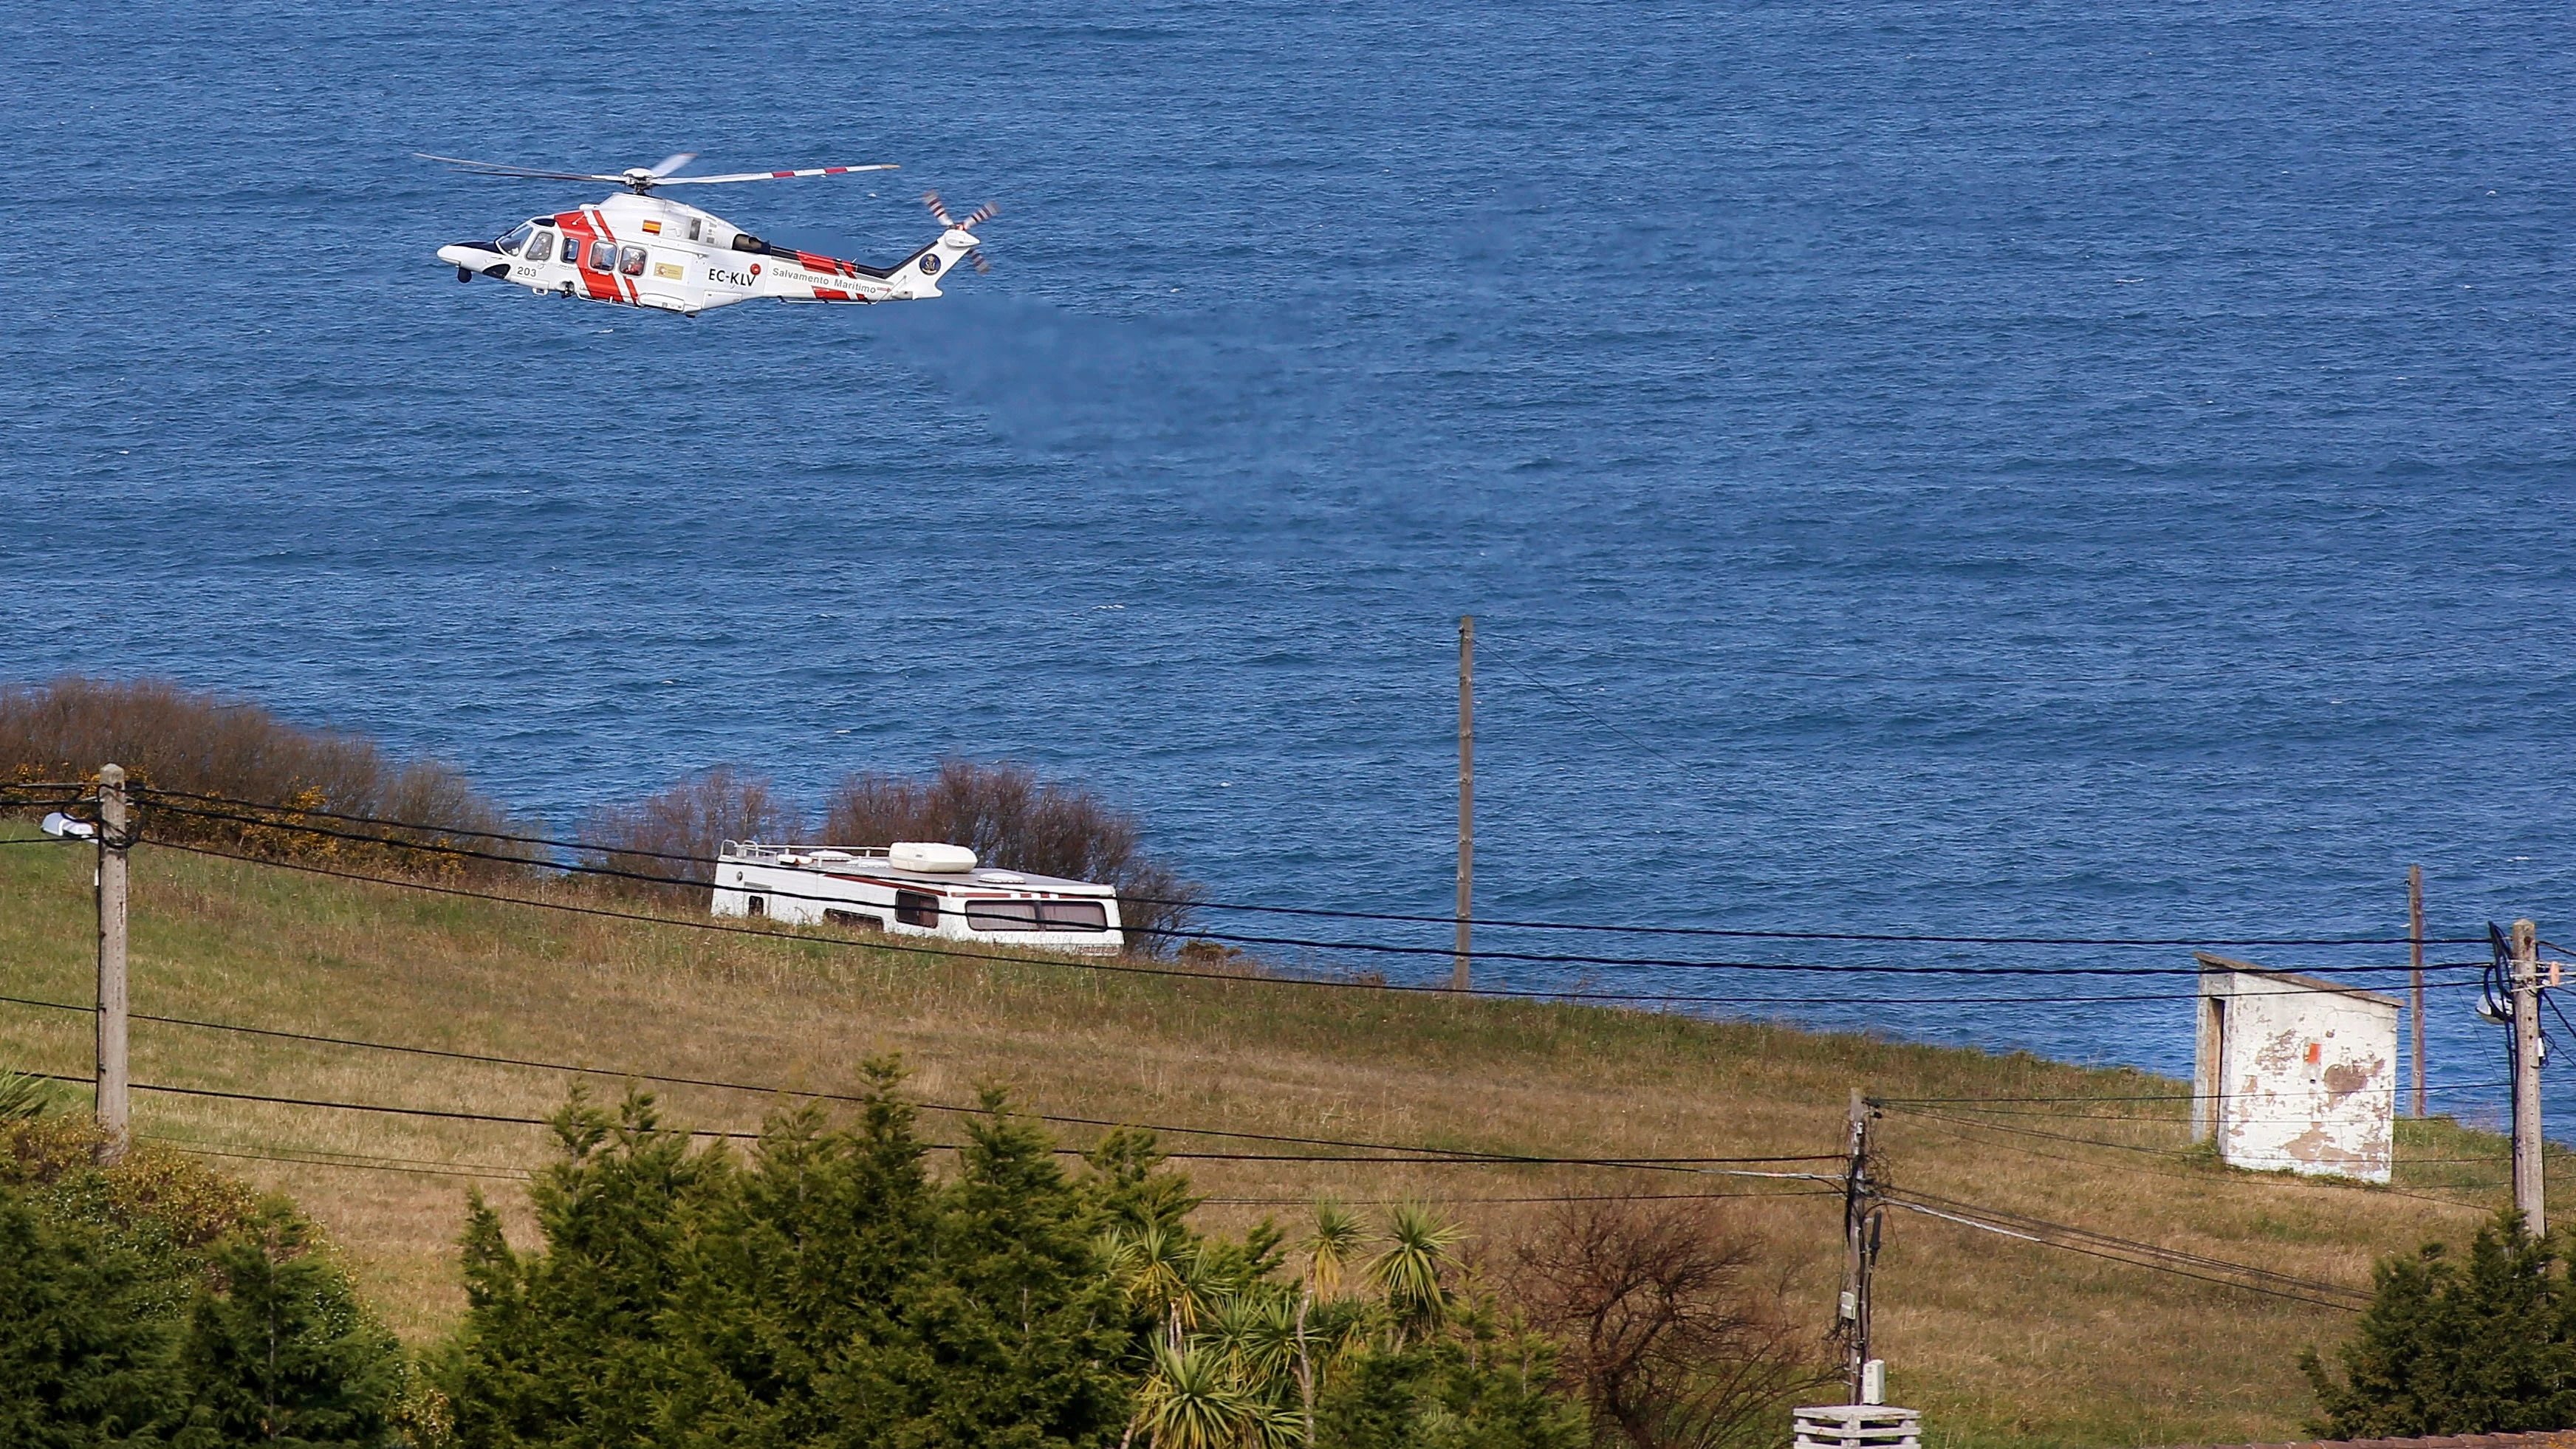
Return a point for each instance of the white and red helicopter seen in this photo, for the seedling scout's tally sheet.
(638, 250)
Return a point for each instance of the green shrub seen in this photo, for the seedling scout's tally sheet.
(2485, 1345)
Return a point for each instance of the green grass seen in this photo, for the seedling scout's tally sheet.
(1998, 1341)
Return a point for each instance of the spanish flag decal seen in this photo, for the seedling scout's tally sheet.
(652, 228)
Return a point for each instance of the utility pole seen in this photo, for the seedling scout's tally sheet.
(2415, 955)
(114, 835)
(2526, 1077)
(1466, 791)
(1864, 1375)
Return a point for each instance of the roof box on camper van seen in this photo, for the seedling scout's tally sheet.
(932, 858)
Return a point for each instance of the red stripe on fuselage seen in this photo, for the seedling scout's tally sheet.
(621, 289)
(597, 285)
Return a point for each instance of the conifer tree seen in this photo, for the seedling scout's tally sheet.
(279, 1352)
(2448, 1347)
(573, 1346)
(1008, 1335)
(80, 1363)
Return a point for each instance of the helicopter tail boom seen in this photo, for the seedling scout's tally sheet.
(801, 276)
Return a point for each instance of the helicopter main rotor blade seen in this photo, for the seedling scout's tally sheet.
(671, 163)
(495, 168)
(771, 175)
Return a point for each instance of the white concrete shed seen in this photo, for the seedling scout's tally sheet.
(2295, 1073)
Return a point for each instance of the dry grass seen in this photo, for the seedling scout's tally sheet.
(1996, 1340)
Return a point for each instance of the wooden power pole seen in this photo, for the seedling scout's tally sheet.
(2415, 955)
(1466, 792)
(115, 833)
(1860, 1252)
(2526, 1077)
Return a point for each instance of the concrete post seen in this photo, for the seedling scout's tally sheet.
(115, 833)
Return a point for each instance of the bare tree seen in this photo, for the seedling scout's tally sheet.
(690, 821)
(255, 778)
(1669, 1333)
(1011, 818)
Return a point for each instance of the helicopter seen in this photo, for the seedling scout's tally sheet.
(640, 250)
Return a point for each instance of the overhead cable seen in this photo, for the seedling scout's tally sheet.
(606, 850)
(1526, 957)
(1679, 1165)
(2322, 1295)
(1074, 963)
(1465, 1154)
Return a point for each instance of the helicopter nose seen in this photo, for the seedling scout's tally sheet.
(466, 254)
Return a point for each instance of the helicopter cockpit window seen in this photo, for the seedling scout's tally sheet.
(518, 234)
(603, 256)
(632, 263)
(542, 247)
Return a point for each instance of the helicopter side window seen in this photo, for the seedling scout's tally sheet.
(541, 246)
(518, 234)
(571, 248)
(632, 263)
(603, 256)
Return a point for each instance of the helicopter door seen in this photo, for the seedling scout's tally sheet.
(661, 276)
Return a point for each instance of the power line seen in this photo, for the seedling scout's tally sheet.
(1834, 1192)
(1539, 958)
(2131, 1245)
(1070, 963)
(2148, 1097)
(2142, 1169)
(607, 850)
(1463, 1154)
(2034, 1230)
(415, 1166)
(1679, 1165)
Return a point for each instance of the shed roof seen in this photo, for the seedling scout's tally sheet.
(2209, 963)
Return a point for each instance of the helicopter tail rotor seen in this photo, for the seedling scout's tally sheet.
(968, 222)
(939, 212)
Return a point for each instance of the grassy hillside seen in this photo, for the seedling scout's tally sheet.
(1995, 1339)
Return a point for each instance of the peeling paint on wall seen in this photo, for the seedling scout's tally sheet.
(2295, 1073)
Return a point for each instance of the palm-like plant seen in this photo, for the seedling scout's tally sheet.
(1412, 1273)
(24, 1095)
(1330, 1250)
(1204, 1284)
(1189, 1402)
(1256, 1335)
(1154, 1264)
(1276, 1426)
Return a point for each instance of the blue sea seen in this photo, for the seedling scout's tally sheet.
(2060, 469)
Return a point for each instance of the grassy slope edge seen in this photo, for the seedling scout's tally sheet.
(1996, 1340)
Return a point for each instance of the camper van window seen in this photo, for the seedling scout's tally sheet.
(1074, 915)
(913, 908)
(860, 919)
(1037, 916)
(757, 906)
(1002, 916)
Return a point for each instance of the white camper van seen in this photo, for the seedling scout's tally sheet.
(912, 888)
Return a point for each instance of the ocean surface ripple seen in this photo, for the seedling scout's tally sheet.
(2066, 469)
